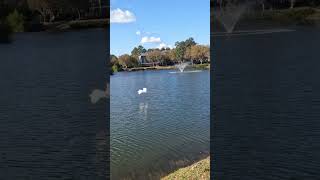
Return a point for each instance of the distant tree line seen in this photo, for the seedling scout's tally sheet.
(23, 15)
(269, 4)
(52, 10)
(187, 50)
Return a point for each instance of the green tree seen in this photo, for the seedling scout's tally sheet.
(113, 59)
(181, 48)
(15, 21)
(114, 63)
(190, 42)
(137, 51)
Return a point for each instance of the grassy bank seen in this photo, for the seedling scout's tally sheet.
(201, 66)
(77, 24)
(197, 171)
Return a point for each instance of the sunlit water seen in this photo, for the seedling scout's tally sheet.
(188, 71)
(165, 128)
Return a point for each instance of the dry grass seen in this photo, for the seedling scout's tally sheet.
(197, 171)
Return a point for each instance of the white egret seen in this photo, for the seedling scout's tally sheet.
(143, 90)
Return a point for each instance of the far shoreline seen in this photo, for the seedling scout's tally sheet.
(7, 36)
(205, 66)
(74, 25)
(275, 18)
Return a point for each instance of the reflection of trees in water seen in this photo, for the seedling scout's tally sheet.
(102, 156)
(102, 152)
(143, 107)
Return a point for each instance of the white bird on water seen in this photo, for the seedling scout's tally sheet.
(140, 91)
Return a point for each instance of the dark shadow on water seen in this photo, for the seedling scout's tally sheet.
(266, 106)
(49, 127)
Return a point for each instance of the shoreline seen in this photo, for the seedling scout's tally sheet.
(276, 18)
(75, 25)
(197, 171)
(196, 66)
(6, 34)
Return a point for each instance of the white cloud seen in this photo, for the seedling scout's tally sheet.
(121, 16)
(138, 33)
(164, 45)
(151, 39)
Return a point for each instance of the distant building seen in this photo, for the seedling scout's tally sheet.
(144, 62)
(142, 58)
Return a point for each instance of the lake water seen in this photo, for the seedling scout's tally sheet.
(157, 132)
(266, 102)
(49, 128)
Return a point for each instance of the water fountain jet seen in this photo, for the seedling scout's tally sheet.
(229, 15)
(181, 66)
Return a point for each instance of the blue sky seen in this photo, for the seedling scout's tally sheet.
(160, 23)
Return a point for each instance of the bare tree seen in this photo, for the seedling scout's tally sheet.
(79, 6)
(46, 8)
(40, 6)
(199, 53)
(154, 56)
(262, 2)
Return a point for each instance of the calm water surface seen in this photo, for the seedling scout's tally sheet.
(156, 132)
(49, 129)
(266, 101)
